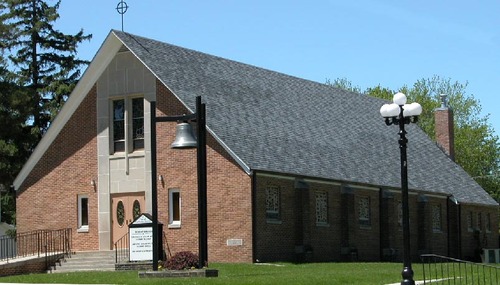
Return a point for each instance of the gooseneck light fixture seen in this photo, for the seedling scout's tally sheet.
(399, 113)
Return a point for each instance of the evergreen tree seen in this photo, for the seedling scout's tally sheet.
(38, 71)
(43, 59)
(15, 140)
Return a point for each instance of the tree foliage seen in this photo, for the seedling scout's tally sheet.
(43, 58)
(38, 71)
(477, 148)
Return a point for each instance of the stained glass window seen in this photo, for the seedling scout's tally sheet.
(138, 123)
(400, 214)
(364, 211)
(136, 209)
(119, 125)
(321, 207)
(488, 222)
(436, 217)
(273, 202)
(120, 213)
(479, 222)
(469, 221)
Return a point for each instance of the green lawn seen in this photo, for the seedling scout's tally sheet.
(272, 274)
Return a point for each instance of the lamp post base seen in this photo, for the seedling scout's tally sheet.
(407, 276)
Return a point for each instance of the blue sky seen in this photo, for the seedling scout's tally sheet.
(391, 43)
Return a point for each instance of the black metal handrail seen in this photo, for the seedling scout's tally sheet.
(122, 249)
(36, 243)
(447, 270)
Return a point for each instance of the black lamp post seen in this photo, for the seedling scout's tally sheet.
(183, 140)
(401, 114)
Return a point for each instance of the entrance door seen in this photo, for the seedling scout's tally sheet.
(125, 209)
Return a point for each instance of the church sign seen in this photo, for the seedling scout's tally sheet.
(141, 239)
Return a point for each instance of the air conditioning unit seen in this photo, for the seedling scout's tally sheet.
(491, 255)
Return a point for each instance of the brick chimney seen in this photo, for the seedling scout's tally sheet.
(445, 136)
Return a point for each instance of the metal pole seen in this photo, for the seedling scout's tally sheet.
(154, 190)
(202, 183)
(407, 272)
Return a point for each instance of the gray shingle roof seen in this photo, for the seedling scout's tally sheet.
(280, 123)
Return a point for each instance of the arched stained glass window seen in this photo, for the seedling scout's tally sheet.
(136, 209)
(120, 213)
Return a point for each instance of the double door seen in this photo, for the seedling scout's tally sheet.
(125, 208)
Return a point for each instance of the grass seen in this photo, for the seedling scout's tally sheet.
(275, 274)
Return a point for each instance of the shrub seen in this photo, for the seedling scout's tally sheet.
(182, 260)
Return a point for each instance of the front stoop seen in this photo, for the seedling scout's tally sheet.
(180, 273)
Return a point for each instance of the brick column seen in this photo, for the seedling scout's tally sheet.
(347, 218)
(422, 224)
(301, 219)
(388, 222)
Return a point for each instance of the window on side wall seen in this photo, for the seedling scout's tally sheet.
(400, 214)
(469, 222)
(479, 222)
(174, 208)
(83, 213)
(436, 218)
(273, 203)
(128, 124)
(364, 211)
(488, 222)
(321, 208)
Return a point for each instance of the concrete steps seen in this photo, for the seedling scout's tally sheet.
(87, 261)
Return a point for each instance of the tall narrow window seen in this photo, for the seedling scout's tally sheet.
(273, 203)
(479, 222)
(400, 214)
(83, 213)
(119, 125)
(174, 208)
(364, 211)
(436, 218)
(321, 208)
(488, 222)
(137, 123)
(469, 222)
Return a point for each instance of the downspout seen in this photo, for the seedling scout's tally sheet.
(253, 190)
(458, 226)
(380, 221)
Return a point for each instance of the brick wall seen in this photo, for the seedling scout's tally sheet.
(325, 240)
(477, 236)
(48, 197)
(282, 239)
(275, 238)
(228, 192)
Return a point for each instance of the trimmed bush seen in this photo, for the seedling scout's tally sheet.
(182, 260)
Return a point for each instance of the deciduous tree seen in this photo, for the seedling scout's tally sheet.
(477, 148)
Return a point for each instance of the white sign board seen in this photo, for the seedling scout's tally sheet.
(141, 244)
